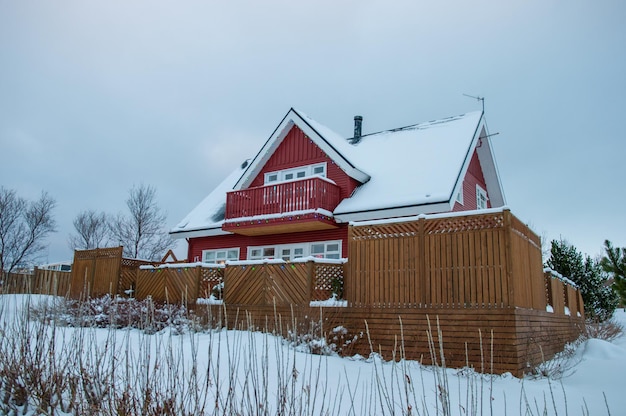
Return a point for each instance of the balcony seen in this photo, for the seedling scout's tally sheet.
(284, 207)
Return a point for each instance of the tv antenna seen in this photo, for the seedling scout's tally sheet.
(477, 98)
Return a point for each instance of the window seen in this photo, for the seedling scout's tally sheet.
(259, 253)
(459, 196)
(220, 256)
(320, 169)
(326, 250)
(296, 173)
(481, 198)
(289, 252)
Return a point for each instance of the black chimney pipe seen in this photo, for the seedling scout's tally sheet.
(358, 123)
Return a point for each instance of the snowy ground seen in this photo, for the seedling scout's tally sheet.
(249, 371)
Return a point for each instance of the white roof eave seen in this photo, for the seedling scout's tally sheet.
(203, 232)
(393, 212)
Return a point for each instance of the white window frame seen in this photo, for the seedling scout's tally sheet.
(229, 254)
(481, 198)
(327, 252)
(306, 171)
(302, 248)
(459, 196)
(262, 252)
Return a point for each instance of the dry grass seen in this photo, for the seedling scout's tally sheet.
(140, 367)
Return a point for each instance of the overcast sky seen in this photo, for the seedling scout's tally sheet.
(96, 96)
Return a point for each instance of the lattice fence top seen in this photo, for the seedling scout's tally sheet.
(466, 223)
(98, 252)
(399, 229)
(453, 224)
(133, 262)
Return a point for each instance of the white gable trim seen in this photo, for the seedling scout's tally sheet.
(482, 145)
(293, 118)
(490, 172)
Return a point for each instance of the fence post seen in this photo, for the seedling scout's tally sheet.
(421, 240)
(506, 213)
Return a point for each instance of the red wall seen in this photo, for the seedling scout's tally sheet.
(299, 150)
(196, 245)
(473, 177)
(295, 150)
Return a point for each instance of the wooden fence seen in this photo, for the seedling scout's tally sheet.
(281, 283)
(40, 282)
(177, 283)
(103, 271)
(481, 260)
(245, 283)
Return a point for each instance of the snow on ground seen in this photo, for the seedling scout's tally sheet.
(360, 385)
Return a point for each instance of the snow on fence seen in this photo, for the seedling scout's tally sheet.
(562, 295)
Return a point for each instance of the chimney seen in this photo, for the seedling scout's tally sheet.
(358, 122)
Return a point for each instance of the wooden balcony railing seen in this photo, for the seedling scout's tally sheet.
(306, 194)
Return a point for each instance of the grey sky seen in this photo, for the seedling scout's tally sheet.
(97, 96)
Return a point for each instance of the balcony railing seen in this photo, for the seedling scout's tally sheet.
(307, 194)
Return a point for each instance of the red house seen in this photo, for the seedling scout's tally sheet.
(296, 197)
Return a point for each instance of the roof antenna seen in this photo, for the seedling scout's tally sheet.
(481, 99)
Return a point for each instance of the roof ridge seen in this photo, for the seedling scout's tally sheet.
(417, 125)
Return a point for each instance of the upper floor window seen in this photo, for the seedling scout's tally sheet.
(481, 198)
(220, 256)
(301, 172)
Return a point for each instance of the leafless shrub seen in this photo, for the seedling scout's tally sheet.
(606, 330)
(117, 312)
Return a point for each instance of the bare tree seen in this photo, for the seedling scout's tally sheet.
(24, 227)
(92, 231)
(143, 232)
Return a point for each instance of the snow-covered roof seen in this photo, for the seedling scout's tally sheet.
(412, 170)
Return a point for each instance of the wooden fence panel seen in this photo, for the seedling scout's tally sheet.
(476, 260)
(52, 282)
(171, 284)
(151, 283)
(527, 269)
(182, 284)
(558, 298)
(571, 295)
(384, 263)
(269, 283)
(244, 285)
(95, 272)
(41, 282)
